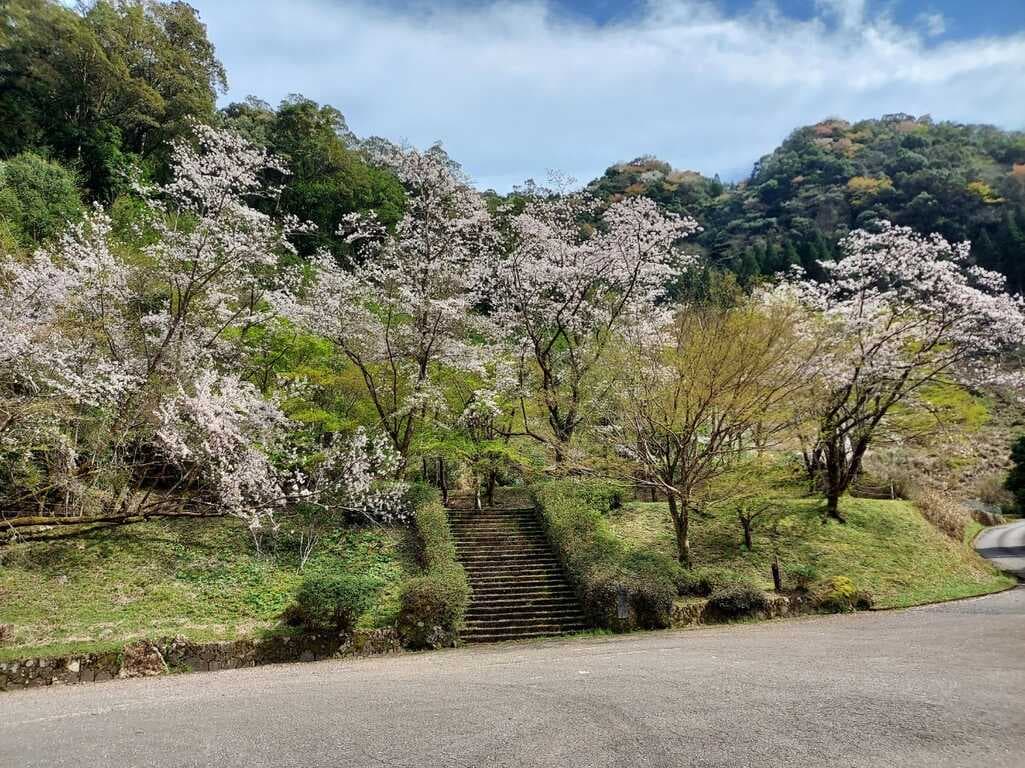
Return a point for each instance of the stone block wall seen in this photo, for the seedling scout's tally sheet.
(144, 658)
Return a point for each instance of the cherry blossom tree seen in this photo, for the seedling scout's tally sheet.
(233, 444)
(406, 307)
(568, 287)
(901, 310)
(115, 360)
(713, 387)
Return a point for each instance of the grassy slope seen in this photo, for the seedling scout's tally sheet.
(886, 547)
(199, 578)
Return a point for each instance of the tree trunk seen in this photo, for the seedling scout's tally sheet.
(833, 505)
(835, 461)
(492, 482)
(748, 540)
(681, 525)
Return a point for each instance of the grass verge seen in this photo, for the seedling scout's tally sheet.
(198, 578)
(886, 548)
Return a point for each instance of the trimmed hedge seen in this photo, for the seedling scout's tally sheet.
(620, 590)
(738, 600)
(434, 603)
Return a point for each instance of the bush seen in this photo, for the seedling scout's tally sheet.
(801, 576)
(738, 600)
(1015, 481)
(603, 495)
(38, 198)
(702, 582)
(841, 595)
(619, 590)
(433, 604)
(948, 516)
(333, 602)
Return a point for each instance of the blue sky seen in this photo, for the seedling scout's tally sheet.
(520, 87)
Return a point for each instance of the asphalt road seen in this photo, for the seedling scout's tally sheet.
(936, 686)
(1005, 546)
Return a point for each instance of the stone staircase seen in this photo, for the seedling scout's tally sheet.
(519, 590)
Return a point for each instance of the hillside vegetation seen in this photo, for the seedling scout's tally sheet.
(886, 548)
(963, 181)
(197, 578)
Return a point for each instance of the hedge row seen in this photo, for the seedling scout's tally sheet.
(620, 590)
(434, 603)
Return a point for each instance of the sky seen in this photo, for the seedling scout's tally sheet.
(519, 88)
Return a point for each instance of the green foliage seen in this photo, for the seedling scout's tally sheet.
(886, 547)
(105, 85)
(434, 603)
(1015, 482)
(620, 589)
(328, 177)
(433, 606)
(800, 576)
(841, 595)
(199, 578)
(738, 600)
(703, 581)
(333, 601)
(38, 198)
(963, 181)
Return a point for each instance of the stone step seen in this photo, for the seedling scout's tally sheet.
(525, 550)
(510, 558)
(519, 589)
(501, 618)
(490, 518)
(500, 605)
(521, 576)
(500, 534)
(519, 633)
(494, 590)
(501, 542)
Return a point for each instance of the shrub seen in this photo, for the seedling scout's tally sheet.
(948, 516)
(841, 595)
(433, 604)
(603, 495)
(990, 490)
(6, 633)
(702, 582)
(620, 590)
(333, 602)
(1015, 482)
(738, 600)
(801, 576)
(37, 197)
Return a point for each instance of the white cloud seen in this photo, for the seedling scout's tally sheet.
(513, 90)
(934, 24)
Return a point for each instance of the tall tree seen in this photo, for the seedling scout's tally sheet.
(566, 290)
(103, 85)
(902, 310)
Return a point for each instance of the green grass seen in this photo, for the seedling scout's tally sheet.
(886, 548)
(199, 578)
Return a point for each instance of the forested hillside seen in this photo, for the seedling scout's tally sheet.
(963, 181)
(92, 99)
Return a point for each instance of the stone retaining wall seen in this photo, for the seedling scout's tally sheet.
(143, 658)
(689, 612)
